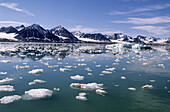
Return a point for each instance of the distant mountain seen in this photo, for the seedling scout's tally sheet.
(9, 29)
(36, 33)
(87, 37)
(63, 34)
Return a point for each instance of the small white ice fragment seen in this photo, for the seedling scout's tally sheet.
(101, 92)
(82, 96)
(88, 86)
(36, 71)
(123, 77)
(77, 77)
(64, 70)
(37, 81)
(5, 61)
(3, 73)
(132, 89)
(106, 72)
(147, 87)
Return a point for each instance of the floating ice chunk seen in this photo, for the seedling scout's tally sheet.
(59, 59)
(117, 60)
(9, 99)
(56, 89)
(39, 93)
(77, 77)
(6, 80)
(101, 92)
(115, 63)
(47, 58)
(81, 60)
(89, 86)
(3, 73)
(101, 74)
(132, 89)
(7, 88)
(106, 72)
(123, 68)
(145, 63)
(52, 66)
(88, 69)
(37, 81)
(98, 65)
(161, 65)
(36, 71)
(152, 80)
(147, 87)
(128, 62)
(123, 77)
(21, 67)
(64, 70)
(82, 64)
(68, 66)
(89, 74)
(5, 61)
(111, 69)
(82, 96)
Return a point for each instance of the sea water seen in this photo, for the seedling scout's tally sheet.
(138, 67)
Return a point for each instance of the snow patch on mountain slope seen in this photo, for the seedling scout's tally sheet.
(9, 36)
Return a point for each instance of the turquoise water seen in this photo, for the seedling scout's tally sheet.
(118, 99)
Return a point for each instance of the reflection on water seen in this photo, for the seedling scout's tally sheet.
(120, 72)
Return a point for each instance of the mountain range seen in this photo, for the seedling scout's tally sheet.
(59, 34)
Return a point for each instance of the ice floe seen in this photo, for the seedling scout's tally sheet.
(36, 71)
(37, 94)
(147, 87)
(9, 99)
(64, 70)
(3, 73)
(106, 72)
(5, 61)
(21, 67)
(7, 88)
(6, 80)
(77, 77)
(132, 89)
(37, 81)
(101, 92)
(81, 96)
(88, 86)
(123, 77)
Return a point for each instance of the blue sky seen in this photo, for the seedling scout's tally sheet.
(131, 17)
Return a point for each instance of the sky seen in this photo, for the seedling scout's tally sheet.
(131, 17)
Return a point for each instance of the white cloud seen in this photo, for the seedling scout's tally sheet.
(142, 21)
(158, 30)
(11, 23)
(83, 29)
(143, 9)
(94, 30)
(14, 6)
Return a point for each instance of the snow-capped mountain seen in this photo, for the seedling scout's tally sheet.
(36, 33)
(87, 37)
(64, 34)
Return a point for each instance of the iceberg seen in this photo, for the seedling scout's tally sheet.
(9, 99)
(21, 67)
(147, 87)
(5, 61)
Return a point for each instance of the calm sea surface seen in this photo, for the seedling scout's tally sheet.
(140, 67)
